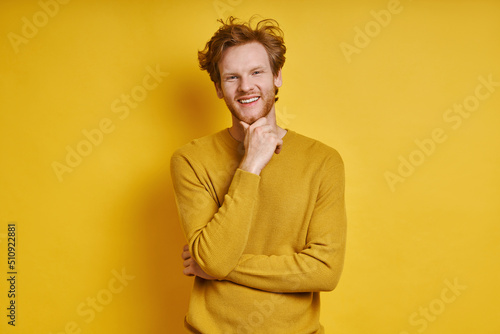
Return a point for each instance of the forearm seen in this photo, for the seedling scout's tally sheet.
(216, 235)
(315, 269)
(218, 245)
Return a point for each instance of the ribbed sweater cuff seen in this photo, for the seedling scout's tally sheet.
(247, 183)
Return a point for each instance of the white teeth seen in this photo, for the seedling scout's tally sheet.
(249, 100)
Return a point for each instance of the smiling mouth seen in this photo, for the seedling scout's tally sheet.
(253, 99)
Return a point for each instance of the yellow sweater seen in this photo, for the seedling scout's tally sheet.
(274, 240)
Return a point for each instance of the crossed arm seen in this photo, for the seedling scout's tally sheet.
(315, 268)
(191, 268)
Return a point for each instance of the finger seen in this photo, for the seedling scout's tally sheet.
(266, 128)
(186, 255)
(261, 121)
(187, 263)
(245, 125)
(184, 249)
(279, 146)
(188, 271)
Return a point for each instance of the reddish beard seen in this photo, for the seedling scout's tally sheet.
(267, 99)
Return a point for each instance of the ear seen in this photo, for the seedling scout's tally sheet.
(278, 81)
(218, 89)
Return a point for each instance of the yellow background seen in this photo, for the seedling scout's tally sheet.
(115, 211)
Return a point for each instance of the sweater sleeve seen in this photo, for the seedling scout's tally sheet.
(318, 266)
(216, 235)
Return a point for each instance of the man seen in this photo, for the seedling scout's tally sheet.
(262, 207)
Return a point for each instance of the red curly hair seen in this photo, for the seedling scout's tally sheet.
(267, 32)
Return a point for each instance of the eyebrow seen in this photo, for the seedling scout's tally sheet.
(257, 68)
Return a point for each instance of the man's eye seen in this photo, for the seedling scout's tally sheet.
(256, 72)
(232, 77)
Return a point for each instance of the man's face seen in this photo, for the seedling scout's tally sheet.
(247, 82)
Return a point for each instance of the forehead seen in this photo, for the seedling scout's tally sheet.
(243, 57)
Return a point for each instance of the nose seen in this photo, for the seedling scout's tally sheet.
(245, 84)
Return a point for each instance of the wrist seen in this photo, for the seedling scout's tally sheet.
(249, 167)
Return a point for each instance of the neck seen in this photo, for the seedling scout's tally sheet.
(238, 133)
